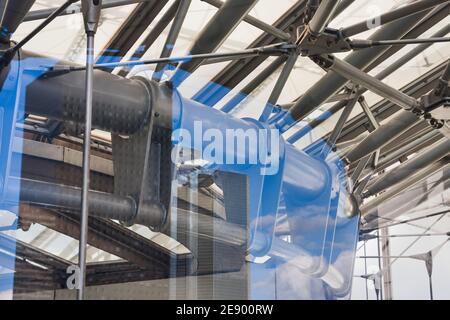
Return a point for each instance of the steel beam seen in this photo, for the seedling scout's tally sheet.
(104, 235)
(436, 152)
(172, 37)
(12, 14)
(130, 31)
(363, 60)
(103, 205)
(119, 208)
(357, 76)
(322, 16)
(334, 136)
(383, 135)
(151, 37)
(221, 25)
(400, 122)
(256, 22)
(396, 154)
(255, 83)
(279, 86)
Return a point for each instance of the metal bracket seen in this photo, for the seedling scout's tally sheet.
(436, 105)
(138, 174)
(330, 41)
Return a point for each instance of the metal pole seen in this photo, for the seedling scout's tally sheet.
(383, 135)
(86, 166)
(274, 49)
(354, 74)
(91, 13)
(328, 147)
(380, 76)
(446, 74)
(380, 296)
(253, 84)
(322, 16)
(12, 14)
(401, 187)
(365, 271)
(279, 86)
(219, 27)
(172, 37)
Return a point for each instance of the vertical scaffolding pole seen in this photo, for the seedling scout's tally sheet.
(91, 14)
(386, 263)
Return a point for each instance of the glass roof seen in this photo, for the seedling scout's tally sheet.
(65, 39)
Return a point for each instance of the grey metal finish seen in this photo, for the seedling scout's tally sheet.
(256, 22)
(60, 97)
(400, 152)
(383, 74)
(281, 82)
(422, 160)
(334, 136)
(172, 36)
(255, 83)
(151, 37)
(368, 208)
(383, 135)
(103, 234)
(366, 109)
(214, 34)
(384, 109)
(102, 205)
(399, 13)
(373, 84)
(235, 72)
(395, 126)
(356, 175)
(332, 82)
(362, 44)
(12, 14)
(322, 16)
(130, 31)
(109, 206)
(76, 8)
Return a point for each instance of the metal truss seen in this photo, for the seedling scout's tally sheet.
(417, 121)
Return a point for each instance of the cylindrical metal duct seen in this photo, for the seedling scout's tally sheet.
(103, 205)
(121, 105)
